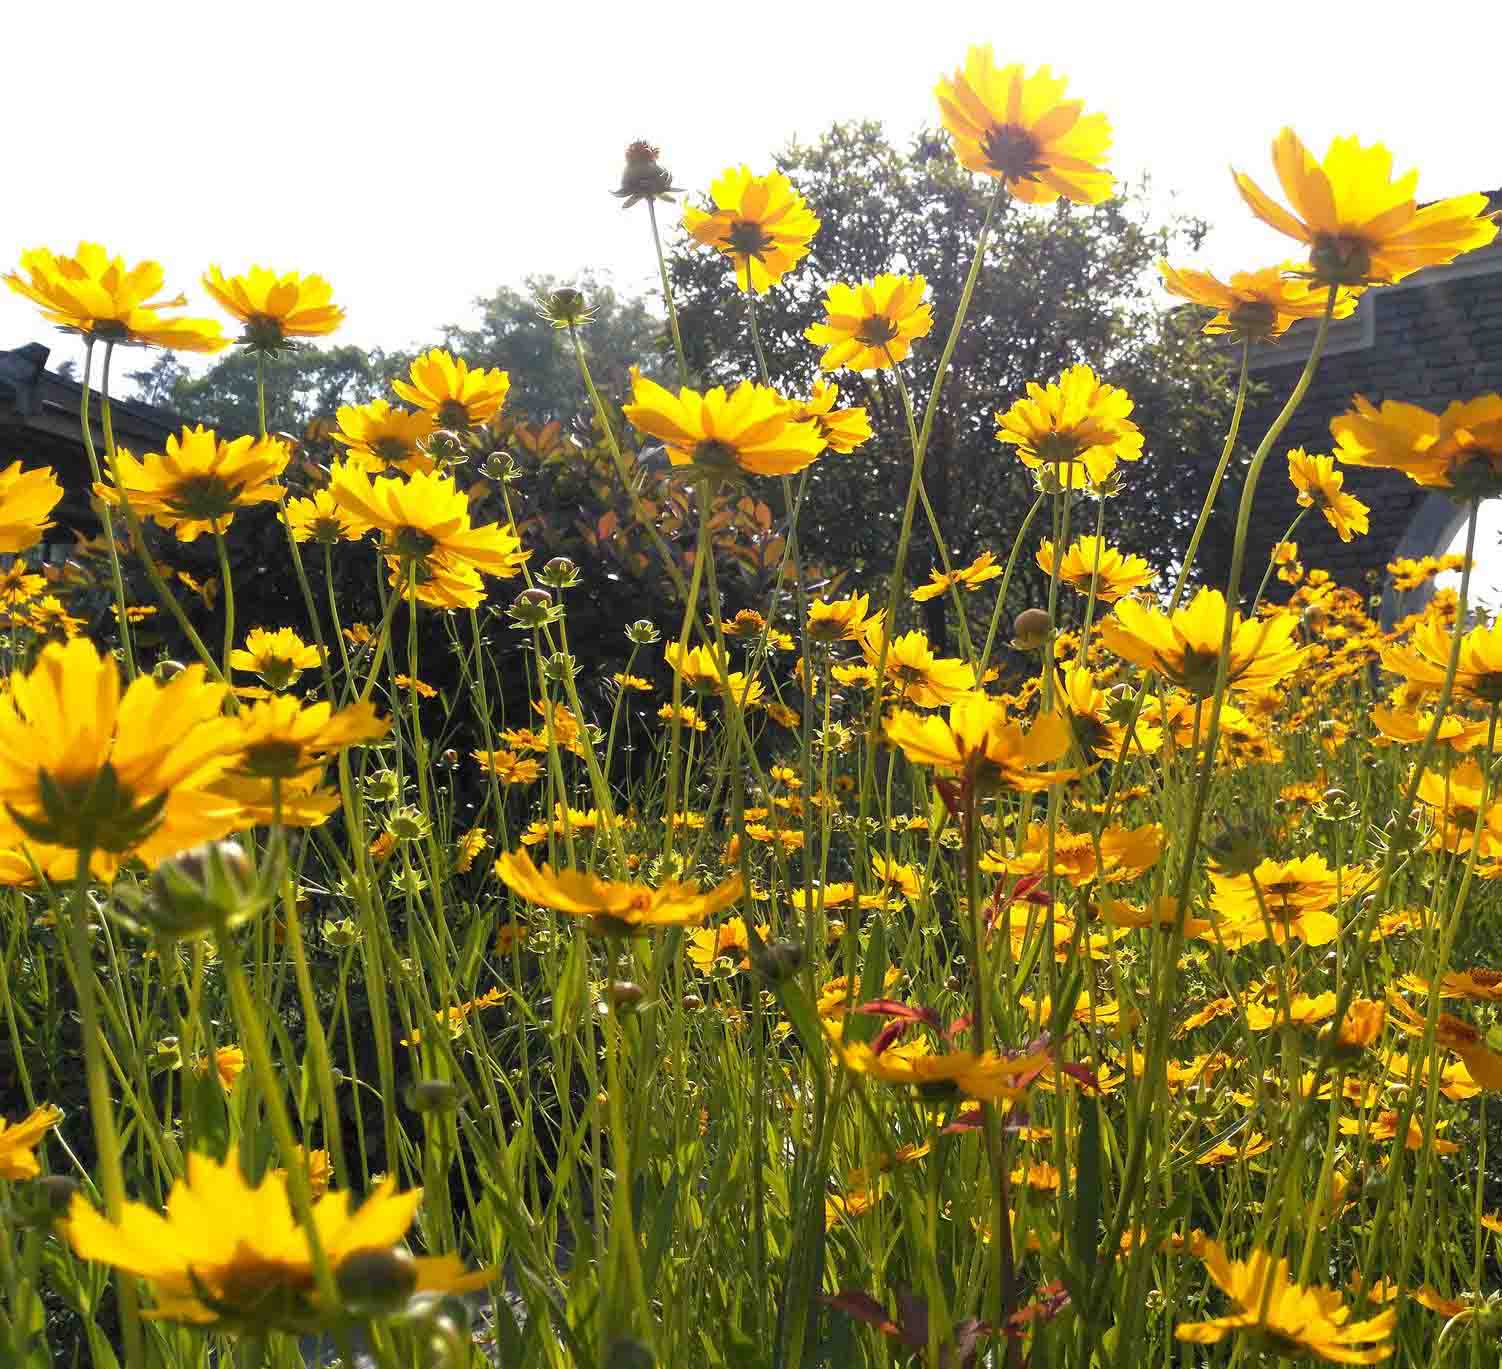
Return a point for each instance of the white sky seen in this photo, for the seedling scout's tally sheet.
(421, 155)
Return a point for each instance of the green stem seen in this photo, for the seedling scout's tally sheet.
(103, 509)
(667, 294)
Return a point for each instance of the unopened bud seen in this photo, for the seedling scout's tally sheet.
(377, 1281)
(1030, 629)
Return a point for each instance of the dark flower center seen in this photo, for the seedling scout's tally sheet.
(1341, 259)
(413, 543)
(203, 497)
(391, 450)
(1253, 318)
(714, 455)
(749, 239)
(454, 413)
(1013, 153)
(876, 331)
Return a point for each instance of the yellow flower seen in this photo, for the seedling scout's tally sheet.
(230, 1254)
(1291, 1320)
(971, 577)
(912, 669)
(729, 941)
(228, 1064)
(99, 296)
(26, 498)
(615, 907)
(760, 222)
(199, 483)
(264, 802)
(280, 739)
(1020, 128)
(752, 429)
(277, 657)
(321, 519)
(988, 1076)
(1424, 662)
(508, 767)
(872, 326)
(386, 435)
(1077, 427)
(1090, 561)
(981, 743)
(275, 307)
(1256, 305)
(456, 396)
(18, 1141)
(468, 848)
(1185, 648)
(1093, 719)
(83, 765)
(839, 620)
(1293, 897)
(1460, 449)
(1319, 486)
(1361, 226)
(425, 521)
(843, 429)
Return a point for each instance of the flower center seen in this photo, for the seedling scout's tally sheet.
(746, 238)
(715, 456)
(263, 333)
(391, 450)
(274, 759)
(876, 331)
(453, 413)
(413, 543)
(1253, 318)
(1013, 152)
(1341, 259)
(93, 811)
(203, 497)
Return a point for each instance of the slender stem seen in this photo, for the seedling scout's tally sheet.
(227, 579)
(85, 421)
(667, 293)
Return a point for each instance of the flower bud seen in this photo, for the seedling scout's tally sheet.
(382, 786)
(559, 573)
(779, 960)
(564, 307)
(165, 671)
(558, 667)
(643, 632)
(501, 466)
(433, 1095)
(625, 995)
(1030, 629)
(407, 824)
(377, 1281)
(1238, 849)
(341, 934)
(692, 1002)
(533, 608)
(643, 177)
(207, 888)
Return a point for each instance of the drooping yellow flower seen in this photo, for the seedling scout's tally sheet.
(980, 742)
(299, 801)
(19, 1140)
(1021, 129)
(989, 1076)
(277, 657)
(386, 435)
(280, 738)
(425, 521)
(1291, 1319)
(1452, 1033)
(457, 396)
(760, 222)
(200, 481)
(615, 907)
(26, 499)
(275, 307)
(1097, 722)
(1077, 427)
(508, 767)
(1256, 305)
(843, 429)
(912, 670)
(1459, 450)
(1409, 726)
(1125, 853)
(1425, 660)
(84, 765)
(1361, 226)
(839, 620)
(231, 1254)
(1289, 898)
(1185, 648)
(321, 519)
(751, 429)
(872, 326)
(1091, 561)
(1319, 485)
(102, 298)
(970, 577)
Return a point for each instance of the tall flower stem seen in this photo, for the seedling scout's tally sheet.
(86, 423)
(227, 580)
(667, 294)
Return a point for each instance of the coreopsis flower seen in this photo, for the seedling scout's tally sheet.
(1124, 854)
(231, 1255)
(1458, 450)
(615, 907)
(970, 578)
(275, 307)
(1291, 897)
(19, 1140)
(1255, 306)
(321, 519)
(1455, 795)
(981, 743)
(1319, 485)
(1236, 1149)
(1184, 648)
(385, 435)
(1076, 427)
(199, 482)
(706, 671)
(749, 430)
(1020, 129)
(26, 498)
(843, 429)
(839, 620)
(760, 222)
(468, 848)
(1159, 914)
(1285, 556)
(1384, 1127)
(1361, 1026)
(280, 738)
(456, 396)
(87, 766)
(1425, 660)
(1098, 724)
(1304, 1010)
(1090, 561)
(508, 767)
(1483, 985)
(912, 670)
(1410, 726)
(1453, 1034)
(105, 300)
(424, 520)
(1361, 226)
(987, 1076)
(277, 657)
(299, 801)
(872, 326)
(1309, 1322)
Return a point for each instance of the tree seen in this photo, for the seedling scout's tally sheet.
(545, 382)
(1056, 287)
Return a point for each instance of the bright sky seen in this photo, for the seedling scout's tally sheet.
(420, 156)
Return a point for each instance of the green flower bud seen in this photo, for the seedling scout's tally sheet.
(559, 573)
(533, 608)
(377, 1281)
(643, 632)
(1030, 629)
